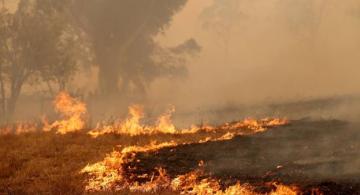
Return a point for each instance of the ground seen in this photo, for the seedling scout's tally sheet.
(322, 154)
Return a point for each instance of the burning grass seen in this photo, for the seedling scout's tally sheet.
(130, 157)
(47, 162)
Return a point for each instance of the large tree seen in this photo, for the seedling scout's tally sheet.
(37, 44)
(122, 34)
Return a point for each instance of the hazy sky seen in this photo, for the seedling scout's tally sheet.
(11, 4)
(278, 49)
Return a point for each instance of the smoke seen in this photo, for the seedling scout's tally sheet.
(277, 50)
(252, 57)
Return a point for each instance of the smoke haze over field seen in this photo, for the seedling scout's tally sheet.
(277, 50)
(252, 52)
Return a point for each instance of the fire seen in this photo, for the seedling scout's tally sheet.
(110, 175)
(164, 123)
(132, 125)
(73, 112)
(284, 190)
(191, 184)
(110, 172)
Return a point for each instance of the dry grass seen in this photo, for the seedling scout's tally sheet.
(47, 163)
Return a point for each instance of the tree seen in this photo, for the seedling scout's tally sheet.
(63, 64)
(37, 46)
(122, 34)
(4, 36)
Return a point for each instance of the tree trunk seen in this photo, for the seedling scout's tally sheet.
(3, 98)
(14, 96)
(110, 65)
(108, 77)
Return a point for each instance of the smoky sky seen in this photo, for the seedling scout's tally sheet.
(277, 50)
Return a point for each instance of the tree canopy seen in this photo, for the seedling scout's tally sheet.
(122, 34)
(35, 47)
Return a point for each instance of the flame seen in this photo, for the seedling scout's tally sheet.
(73, 112)
(131, 126)
(164, 123)
(284, 189)
(111, 173)
(191, 184)
(160, 182)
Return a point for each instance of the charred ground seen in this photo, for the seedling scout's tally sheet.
(321, 154)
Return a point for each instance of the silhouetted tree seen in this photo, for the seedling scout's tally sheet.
(122, 36)
(37, 45)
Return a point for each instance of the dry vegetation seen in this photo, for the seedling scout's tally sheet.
(48, 163)
(43, 162)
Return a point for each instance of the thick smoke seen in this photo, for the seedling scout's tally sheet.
(273, 51)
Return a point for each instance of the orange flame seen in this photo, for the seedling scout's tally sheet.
(284, 189)
(73, 112)
(109, 174)
(132, 126)
(164, 123)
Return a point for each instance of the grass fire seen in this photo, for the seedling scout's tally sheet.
(205, 97)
